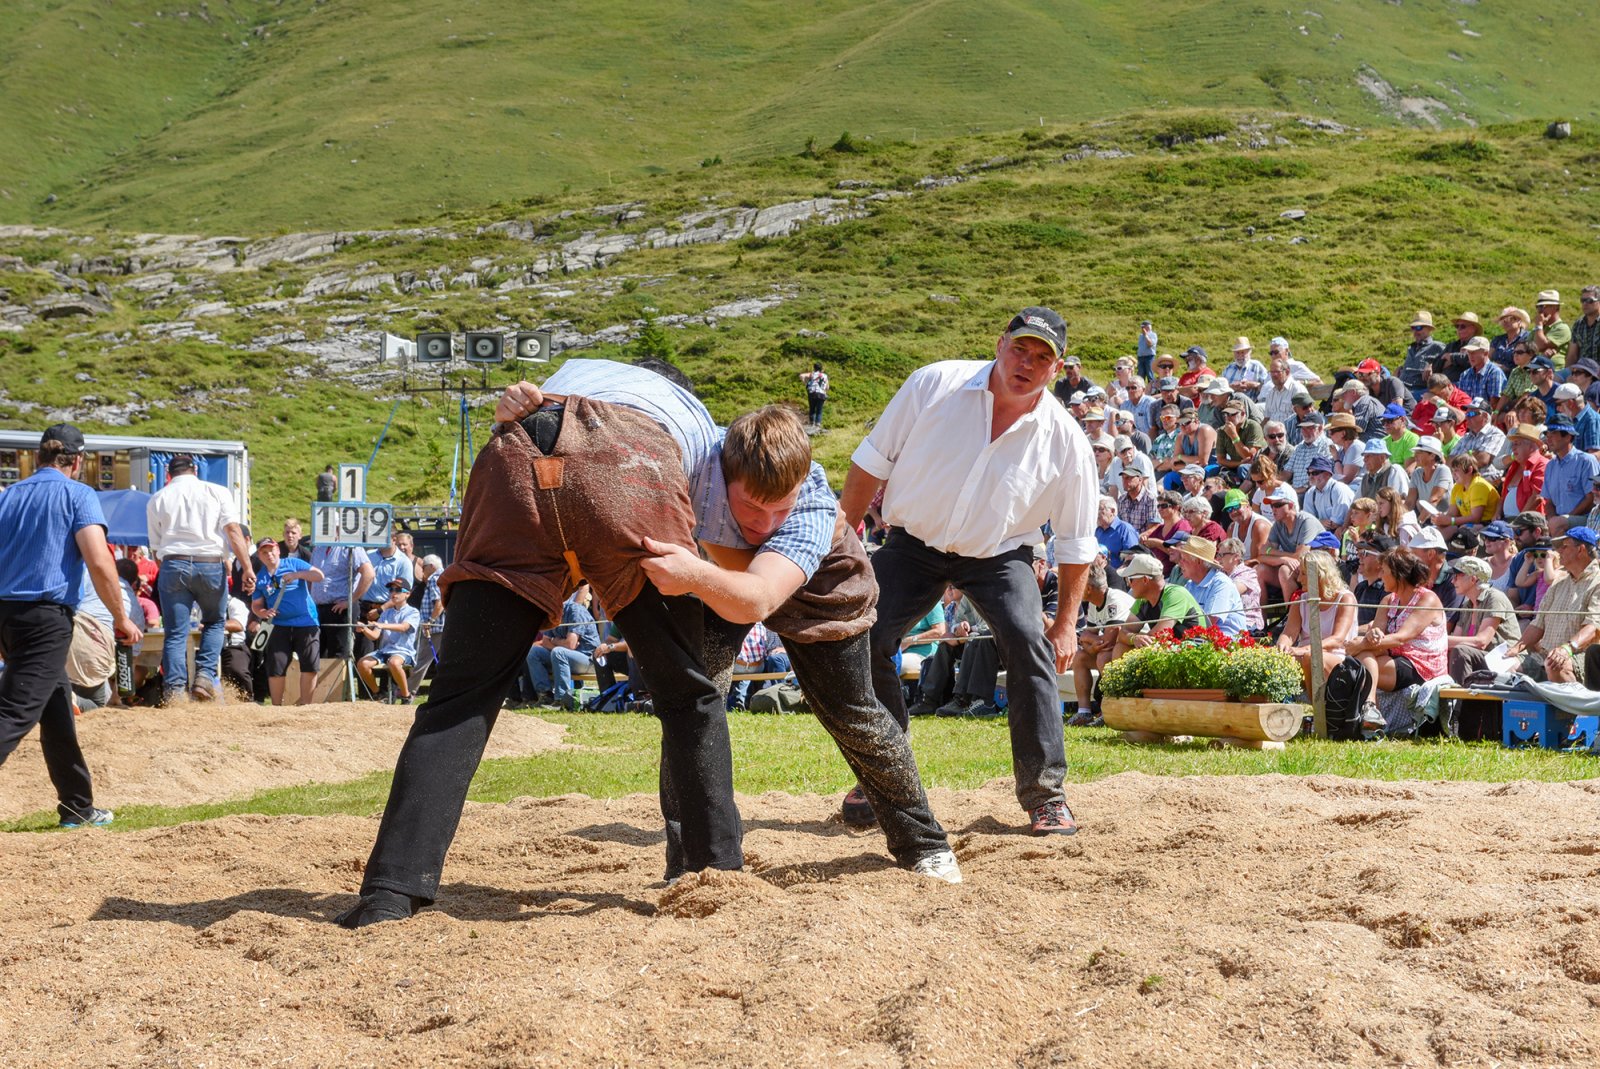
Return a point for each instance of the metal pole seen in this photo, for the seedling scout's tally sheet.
(1319, 705)
(350, 625)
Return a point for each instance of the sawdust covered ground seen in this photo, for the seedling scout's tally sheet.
(1193, 922)
(192, 752)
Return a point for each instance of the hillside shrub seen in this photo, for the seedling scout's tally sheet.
(653, 341)
(857, 355)
(1470, 150)
(1021, 233)
(1184, 129)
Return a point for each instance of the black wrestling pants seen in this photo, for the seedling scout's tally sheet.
(836, 678)
(487, 634)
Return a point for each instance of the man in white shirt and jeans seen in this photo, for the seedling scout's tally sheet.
(974, 459)
(193, 524)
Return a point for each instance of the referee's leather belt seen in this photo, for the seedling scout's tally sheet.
(195, 560)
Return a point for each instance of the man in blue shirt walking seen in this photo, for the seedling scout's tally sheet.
(59, 522)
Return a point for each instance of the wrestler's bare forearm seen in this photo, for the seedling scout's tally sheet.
(738, 595)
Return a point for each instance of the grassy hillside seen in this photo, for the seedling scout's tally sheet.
(264, 115)
(1192, 237)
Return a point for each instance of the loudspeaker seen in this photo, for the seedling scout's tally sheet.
(533, 347)
(433, 348)
(485, 348)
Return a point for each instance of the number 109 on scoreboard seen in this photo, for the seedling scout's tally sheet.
(339, 524)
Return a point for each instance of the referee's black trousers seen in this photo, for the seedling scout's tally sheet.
(35, 636)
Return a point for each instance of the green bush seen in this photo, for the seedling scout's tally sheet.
(1470, 150)
(1183, 129)
(1262, 670)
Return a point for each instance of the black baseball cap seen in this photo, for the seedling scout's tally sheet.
(1041, 323)
(1376, 543)
(70, 437)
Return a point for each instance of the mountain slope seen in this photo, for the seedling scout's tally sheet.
(261, 115)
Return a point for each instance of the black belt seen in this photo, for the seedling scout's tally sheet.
(195, 560)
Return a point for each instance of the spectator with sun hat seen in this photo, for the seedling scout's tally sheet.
(1418, 363)
(1550, 335)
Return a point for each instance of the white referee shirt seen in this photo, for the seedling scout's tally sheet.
(188, 517)
(951, 487)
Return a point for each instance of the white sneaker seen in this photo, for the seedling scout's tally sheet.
(939, 866)
(1372, 718)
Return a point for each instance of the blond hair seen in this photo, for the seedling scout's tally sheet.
(768, 452)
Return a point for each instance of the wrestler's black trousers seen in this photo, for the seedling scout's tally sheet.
(487, 634)
(836, 678)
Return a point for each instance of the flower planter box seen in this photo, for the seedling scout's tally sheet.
(1186, 694)
(1273, 722)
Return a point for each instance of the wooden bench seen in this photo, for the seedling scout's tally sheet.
(742, 677)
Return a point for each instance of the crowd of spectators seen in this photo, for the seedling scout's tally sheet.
(192, 579)
(1446, 489)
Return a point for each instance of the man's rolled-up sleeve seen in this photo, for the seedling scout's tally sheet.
(880, 449)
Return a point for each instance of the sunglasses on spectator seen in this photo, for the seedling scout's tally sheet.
(1278, 504)
(1166, 508)
(1419, 328)
(1276, 437)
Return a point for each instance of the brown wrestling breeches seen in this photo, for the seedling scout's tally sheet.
(839, 600)
(534, 524)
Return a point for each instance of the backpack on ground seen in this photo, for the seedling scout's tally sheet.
(614, 699)
(778, 698)
(1343, 695)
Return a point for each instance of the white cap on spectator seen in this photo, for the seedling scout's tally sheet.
(1141, 564)
(1568, 391)
(1428, 538)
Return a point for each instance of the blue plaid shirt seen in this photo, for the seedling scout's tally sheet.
(1486, 384)
(430, 598)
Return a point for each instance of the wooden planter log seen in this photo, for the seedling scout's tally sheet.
(1260, 721)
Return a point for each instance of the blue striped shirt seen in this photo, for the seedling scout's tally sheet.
(804, 537)
(40, 518)
(679, 412)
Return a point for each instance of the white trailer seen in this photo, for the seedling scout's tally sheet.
(132, 462)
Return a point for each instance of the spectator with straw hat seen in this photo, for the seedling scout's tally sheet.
(1454, 361)
(1212, 590)
(1421, 354)
(1514, 323)
(1550, 335)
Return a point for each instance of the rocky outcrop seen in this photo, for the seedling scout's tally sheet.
(70, 304)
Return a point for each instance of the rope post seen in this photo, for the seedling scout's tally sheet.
(1319, 703)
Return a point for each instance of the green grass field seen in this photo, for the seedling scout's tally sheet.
(265, 115)
(614, 755)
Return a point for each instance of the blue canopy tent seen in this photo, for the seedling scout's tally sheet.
(125, 517)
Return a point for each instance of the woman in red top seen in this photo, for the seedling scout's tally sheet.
(1524, 477)
(1196, 512)
(1406, 644)
(1170, 523)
